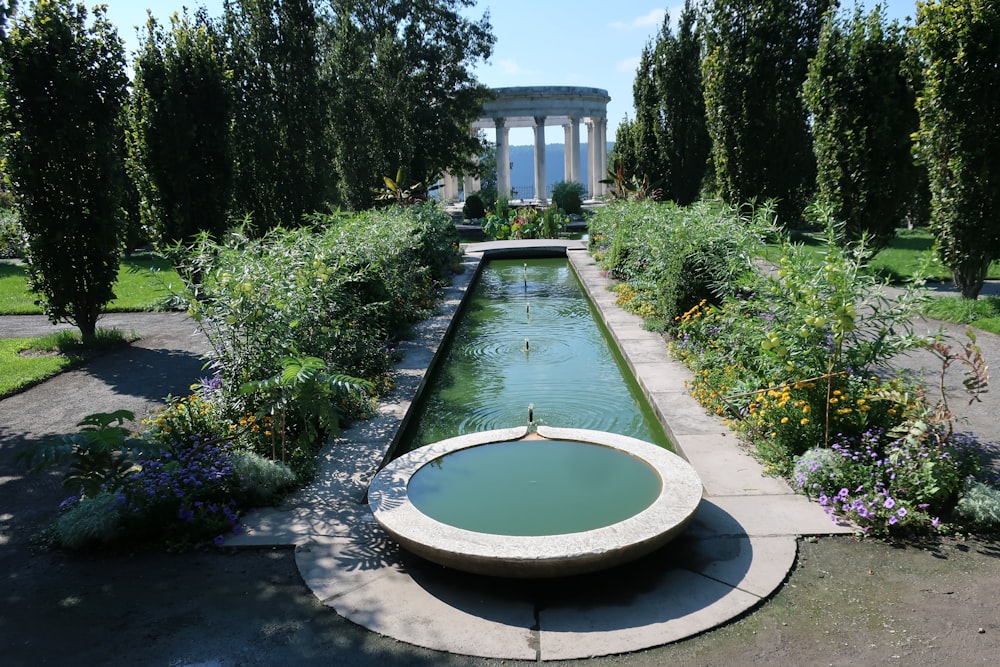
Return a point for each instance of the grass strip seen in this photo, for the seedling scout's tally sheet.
(25, 362)
(146, 282)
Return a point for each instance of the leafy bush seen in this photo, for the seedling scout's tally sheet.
(262, 481)
(979, 504)
(473, 209)
(568, 196)
(91, 523)
(12, 241)
(525, 223)
(342, 292)
(670, 257)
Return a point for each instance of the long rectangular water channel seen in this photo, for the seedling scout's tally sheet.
(528, 339)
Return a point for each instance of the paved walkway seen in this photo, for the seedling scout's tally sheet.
(735, 554)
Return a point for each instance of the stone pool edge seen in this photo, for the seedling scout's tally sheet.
(348, 563)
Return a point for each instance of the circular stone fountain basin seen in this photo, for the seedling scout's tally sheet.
(568, 502)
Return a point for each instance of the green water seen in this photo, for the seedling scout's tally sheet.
(534, 487)
(527, 336)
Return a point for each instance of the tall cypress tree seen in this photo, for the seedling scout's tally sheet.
(756, 57)
(280, 132)
(957, 44)
(682, 136)
(61, 103)
(863, 117)
(179, 140)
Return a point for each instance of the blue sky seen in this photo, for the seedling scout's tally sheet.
(539, 42)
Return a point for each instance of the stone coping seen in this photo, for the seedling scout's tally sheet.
(537, 555)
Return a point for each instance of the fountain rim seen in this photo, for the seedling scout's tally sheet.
(531, 556)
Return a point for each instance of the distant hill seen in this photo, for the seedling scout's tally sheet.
(522, 174)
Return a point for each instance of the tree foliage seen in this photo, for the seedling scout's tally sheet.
(863, 117)
(681, 133)
(957, 43)
(668, 141)
(61, 101)
(403, 91)
(642, 134)
(756, 55)
(280, 137)
(179, 140)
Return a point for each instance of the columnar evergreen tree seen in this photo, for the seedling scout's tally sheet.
(280, 132)
(756, 55)
(624, 156)
(646, 97)
(681, 135)
(863, 118)
(404, 93)
(61, 102)
(957, 43)
(179, 129)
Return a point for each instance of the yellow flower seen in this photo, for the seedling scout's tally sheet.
(804, 421)
(784, 420)
(806, 409)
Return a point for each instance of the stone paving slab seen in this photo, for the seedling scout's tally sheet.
(678, 604)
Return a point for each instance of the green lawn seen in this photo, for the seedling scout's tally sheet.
(911, 253)
(18, 371)
(27, 361)
(145, 282)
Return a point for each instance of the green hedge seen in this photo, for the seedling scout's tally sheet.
(342, 291)
(671, 257)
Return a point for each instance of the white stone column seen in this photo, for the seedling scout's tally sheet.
(503, 157)
(602, 154)
(540, 189)
(567, 153)
(470, 184)
(450, 189)
(592, 177)
(573, 149)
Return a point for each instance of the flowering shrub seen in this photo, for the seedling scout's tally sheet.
(195, 489)
(795, 357)
(343, 292)
(187, 493)
(888, 483)
(183, 418)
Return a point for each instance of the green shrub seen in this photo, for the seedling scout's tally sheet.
(568, 196)
(262, 481)
(12, 242)
(979, 504)
(342, 292)
(474, 208)
(671, 257)
(815, 468)
(91, 523)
